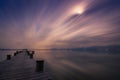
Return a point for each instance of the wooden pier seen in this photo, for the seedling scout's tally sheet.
(22, 66)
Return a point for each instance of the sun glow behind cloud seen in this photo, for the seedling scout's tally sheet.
(68, 24)
(78, 9)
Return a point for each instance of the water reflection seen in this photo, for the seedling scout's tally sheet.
(75, 65)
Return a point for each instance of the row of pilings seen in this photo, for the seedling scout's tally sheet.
(39, 63)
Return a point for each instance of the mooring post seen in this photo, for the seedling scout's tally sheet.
(15, 54)
(31, 56)
(8, 57)
(28, 53)
(39, 65)
(33, 52)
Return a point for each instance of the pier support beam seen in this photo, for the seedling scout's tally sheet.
(33, 52)
(31, 56)
(28, 53)
(15, 54)
(8, 57)
(39, 65)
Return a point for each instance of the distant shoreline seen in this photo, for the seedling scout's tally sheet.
(113, 48)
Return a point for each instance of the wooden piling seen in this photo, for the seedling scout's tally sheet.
(8, 57)
(15, 54)
(39, 65)
(33, 52)
(31, 56)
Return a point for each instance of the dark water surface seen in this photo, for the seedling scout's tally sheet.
(76, 65)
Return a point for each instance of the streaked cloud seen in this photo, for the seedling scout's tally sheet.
(59, 23)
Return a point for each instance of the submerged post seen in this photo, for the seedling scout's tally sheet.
(39, 65)
(8, 57)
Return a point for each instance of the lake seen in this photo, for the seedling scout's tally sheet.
(77, 65)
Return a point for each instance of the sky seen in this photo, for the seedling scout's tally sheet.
(44, 24)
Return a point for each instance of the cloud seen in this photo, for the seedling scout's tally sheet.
(46, 24)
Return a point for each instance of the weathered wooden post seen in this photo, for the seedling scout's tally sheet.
(39, 65)
(15, 54)
(8, 57)
(31, 56)
(33, 52)
(28, 53)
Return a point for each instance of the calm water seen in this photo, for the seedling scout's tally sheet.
(74, 65)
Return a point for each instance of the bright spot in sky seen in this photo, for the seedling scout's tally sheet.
(43, 24)
(78, 10)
